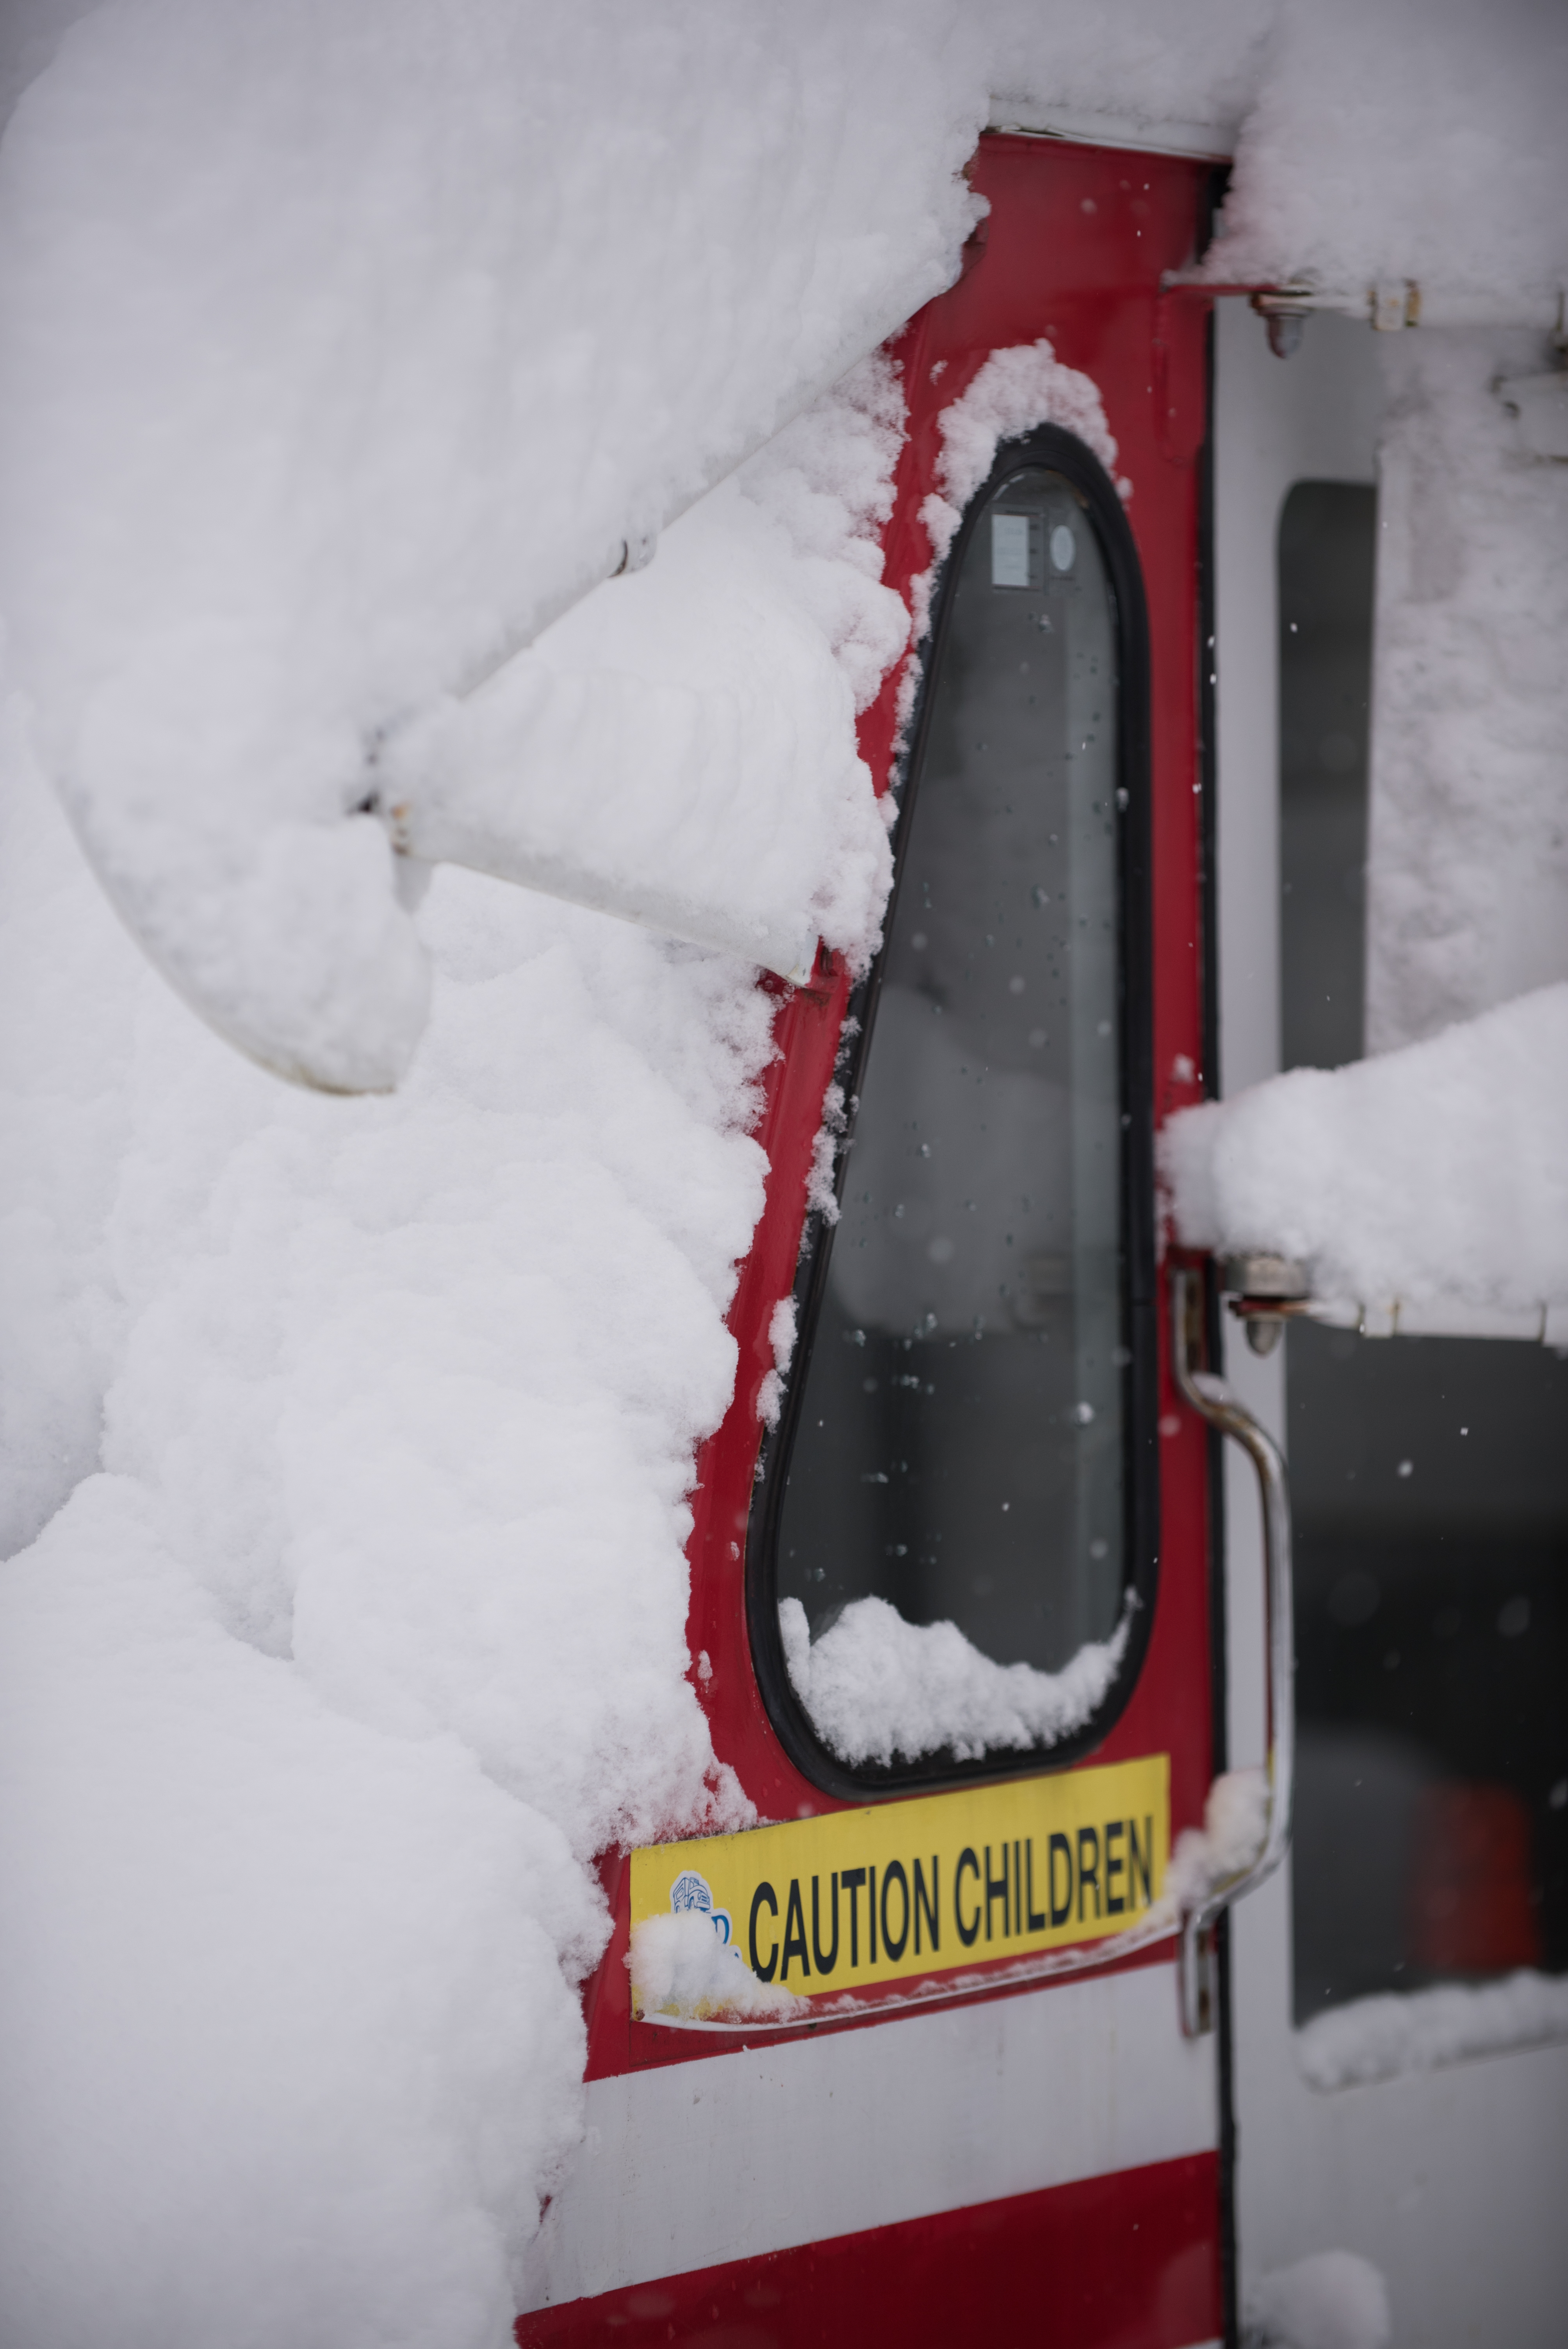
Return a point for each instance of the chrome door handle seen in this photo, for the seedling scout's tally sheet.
(1213, 1401)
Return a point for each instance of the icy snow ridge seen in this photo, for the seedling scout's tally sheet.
(876, 1687)
(1017, 390)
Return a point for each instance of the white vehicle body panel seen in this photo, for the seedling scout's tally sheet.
(734, 2156)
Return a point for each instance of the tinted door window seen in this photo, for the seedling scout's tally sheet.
(1429, 1476)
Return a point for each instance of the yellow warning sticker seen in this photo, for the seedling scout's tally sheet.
(856, 1898)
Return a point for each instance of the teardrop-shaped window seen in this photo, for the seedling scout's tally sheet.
(967, 1437)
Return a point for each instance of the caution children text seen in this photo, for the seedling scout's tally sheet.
(874, 1895)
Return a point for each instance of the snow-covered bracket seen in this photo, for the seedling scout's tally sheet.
(1388, 305)
(1264, 1292)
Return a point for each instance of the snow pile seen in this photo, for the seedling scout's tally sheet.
(1139, 61)
(1235, 1822)
(1467, 862)
(1378, 2038)
(703, 710)
(320, 1697)
(287, 2050)
(1419, 138)
(1333, 2300)
(1435, 1173)
(875, 1686)
(345, 346)
(681, 1967)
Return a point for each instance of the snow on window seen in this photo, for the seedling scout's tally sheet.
(1435, 1176)
(1015, 391)
(876, 1687)
(1412, 2030)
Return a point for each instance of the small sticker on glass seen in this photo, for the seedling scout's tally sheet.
(1012, 549)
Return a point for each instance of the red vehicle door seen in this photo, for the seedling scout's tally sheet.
(953, 1409)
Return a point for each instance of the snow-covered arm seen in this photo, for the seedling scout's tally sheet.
(1434, 1177)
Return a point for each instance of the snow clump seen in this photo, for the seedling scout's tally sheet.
(1434, 1172)
(1381, 2037)
(680, 1967)
(346, 348)
(1333, 2300)
(1235, 1823)
(680, 749)
(875, 1686)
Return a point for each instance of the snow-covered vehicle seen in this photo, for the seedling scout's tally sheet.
(849, 1626)
(989, 2042)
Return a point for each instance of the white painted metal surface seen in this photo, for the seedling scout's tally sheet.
(762, 2149)
(1082, 127)
(1545, 1324)
(1452, 2181)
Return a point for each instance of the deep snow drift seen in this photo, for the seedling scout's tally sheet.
(316, 1702)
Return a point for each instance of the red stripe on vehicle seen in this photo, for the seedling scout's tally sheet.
(1129, 2261)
